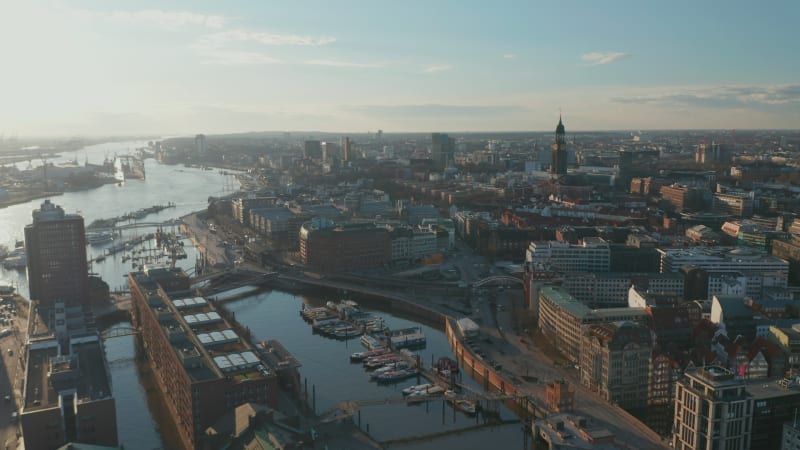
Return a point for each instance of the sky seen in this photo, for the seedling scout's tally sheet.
(102, 67)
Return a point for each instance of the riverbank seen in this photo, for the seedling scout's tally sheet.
(15, 198)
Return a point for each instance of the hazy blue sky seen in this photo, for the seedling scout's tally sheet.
(110, 67)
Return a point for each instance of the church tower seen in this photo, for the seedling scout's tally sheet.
(558, 163)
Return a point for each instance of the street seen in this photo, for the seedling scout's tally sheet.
(11, 374)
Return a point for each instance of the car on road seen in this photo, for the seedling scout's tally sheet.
(7, 398)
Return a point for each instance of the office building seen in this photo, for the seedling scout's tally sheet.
(631, 258)
(66, 393)
(558, 159)
(442, 149)
(713, 411)
(242, 206)
(610, 289)
(67, 397)
(201, 365)
(312, 149)
(789, 250)
(413, 243)
(591, 255)
(570, 432)
(615, 363)
(738, 204)
(562, 319)
(713, 152)
(776, 401)
(55, 244)
(788, 339)
(347, 150)
(682, 197)
(720, 259)
(200, 144)
(345, 247)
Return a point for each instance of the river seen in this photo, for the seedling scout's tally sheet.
(270, 315)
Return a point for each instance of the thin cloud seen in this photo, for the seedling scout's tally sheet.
(719, 96)
(224, 48)
(239, 35)
(168, 20)
(434, 110)
(509, 56)
(229, 57)
(340, 63)
(597, 58)
(436, 68)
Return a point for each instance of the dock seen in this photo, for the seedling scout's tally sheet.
(135, 215)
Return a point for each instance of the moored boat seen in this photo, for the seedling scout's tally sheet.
(380, 361)
(361, 356)
(407, 337)
(371, 342)
(391, 367)
(417, 387)
(467, 406)
(397, 375)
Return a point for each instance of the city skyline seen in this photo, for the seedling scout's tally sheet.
(95, 68)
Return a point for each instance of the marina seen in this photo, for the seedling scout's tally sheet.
(383, 405)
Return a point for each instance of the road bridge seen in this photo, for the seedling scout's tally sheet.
(497, 280)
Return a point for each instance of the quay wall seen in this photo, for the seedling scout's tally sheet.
(492, 380)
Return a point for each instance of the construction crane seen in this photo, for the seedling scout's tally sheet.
(44, 169)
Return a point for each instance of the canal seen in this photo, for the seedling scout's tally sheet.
(269, 315)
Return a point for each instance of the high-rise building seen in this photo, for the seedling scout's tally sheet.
(55, 244)
(200, 143)
(712, 411)
(558, 162)
(442, 149)
(312, 150)
(347, 150)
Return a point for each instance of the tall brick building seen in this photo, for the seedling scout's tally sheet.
(55, 244)
(343, 248)
(201, 365)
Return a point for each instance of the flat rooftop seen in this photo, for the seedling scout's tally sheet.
(48, 374)
(575, 432)
(207, 344)
(575, 307)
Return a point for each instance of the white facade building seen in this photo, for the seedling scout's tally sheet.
(592, 255)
